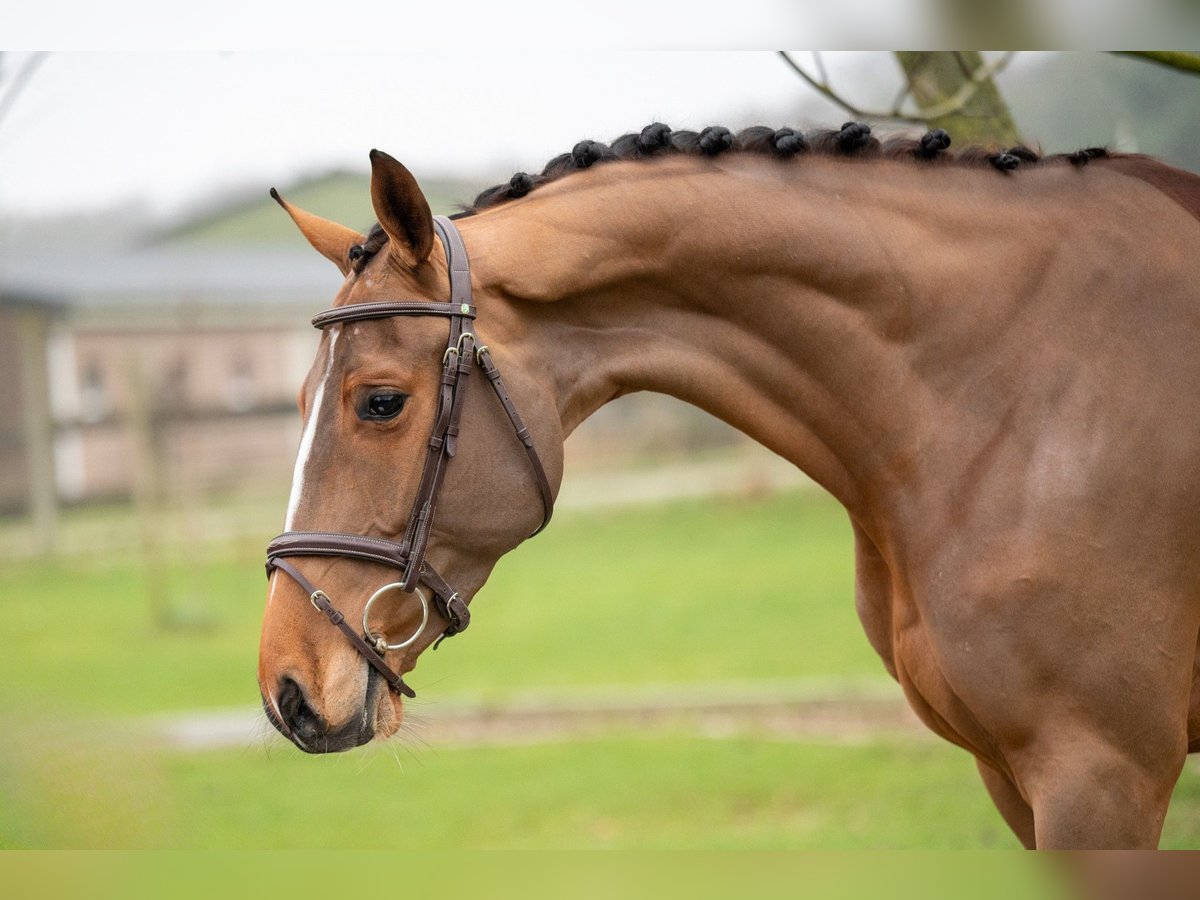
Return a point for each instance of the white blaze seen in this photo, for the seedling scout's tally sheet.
(306, 440)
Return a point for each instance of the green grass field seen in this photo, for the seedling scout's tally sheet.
(555, 613)
(85, 663)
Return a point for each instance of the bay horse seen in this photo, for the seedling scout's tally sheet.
(990, 358)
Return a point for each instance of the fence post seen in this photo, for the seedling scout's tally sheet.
(33, 331)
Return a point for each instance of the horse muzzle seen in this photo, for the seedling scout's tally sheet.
(293, 715)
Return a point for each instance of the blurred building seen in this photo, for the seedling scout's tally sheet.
(164, 362)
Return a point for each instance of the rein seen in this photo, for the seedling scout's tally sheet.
(463, 353)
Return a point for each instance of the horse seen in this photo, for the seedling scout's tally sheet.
(990, 358)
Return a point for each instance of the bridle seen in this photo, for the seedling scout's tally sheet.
(463, 353)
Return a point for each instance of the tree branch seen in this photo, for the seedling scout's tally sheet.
(1179, 60)
(964, 94)
(948, 107)
(19, 81)
(823, 88)
(820, 61)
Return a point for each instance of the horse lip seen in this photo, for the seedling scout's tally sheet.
(276, 722)
(337, 741)
(354, 733)
(369, 722)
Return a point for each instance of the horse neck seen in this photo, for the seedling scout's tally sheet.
(766, 294)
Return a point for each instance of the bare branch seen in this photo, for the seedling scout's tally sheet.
(20, 81)
(826, 91)
(1179, 60)
(948, 107)
(820, 61)
(964, 94)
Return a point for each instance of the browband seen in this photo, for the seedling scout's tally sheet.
(385, 309)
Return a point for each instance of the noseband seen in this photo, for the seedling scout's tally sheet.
(463, 353)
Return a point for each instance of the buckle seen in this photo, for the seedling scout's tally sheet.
(455, 612)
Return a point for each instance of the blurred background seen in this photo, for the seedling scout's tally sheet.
(154, 308)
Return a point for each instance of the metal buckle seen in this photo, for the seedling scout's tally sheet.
(378, 640)
(456, 612)
(457, 348)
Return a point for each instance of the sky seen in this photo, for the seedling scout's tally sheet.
(167, 130)
(170, 131)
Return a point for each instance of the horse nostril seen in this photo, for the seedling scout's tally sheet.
(288, 699)
(297, 715)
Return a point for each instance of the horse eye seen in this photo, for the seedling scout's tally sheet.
(383, 405)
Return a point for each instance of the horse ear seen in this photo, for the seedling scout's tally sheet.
(401, 208)
(331, 240)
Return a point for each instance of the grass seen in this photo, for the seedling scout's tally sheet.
(701, 591)
(622, 791)
(558, 611)
(706, 591)
(616, 792)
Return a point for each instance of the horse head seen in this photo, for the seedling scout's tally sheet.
(405, 482)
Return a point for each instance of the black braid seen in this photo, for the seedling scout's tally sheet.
(587, 153)
(654, 138)
(715, 139)
(788, 142)
(933, 142)
(1023, 153)
(520, 185)
(651, 140)
(852, 137)
(1083, 157)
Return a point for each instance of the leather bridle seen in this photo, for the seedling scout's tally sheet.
(463, 353)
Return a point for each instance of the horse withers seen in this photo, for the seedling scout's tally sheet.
(989, 359)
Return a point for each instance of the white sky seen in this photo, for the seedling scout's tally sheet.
(168, 129)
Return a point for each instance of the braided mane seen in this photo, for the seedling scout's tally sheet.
(854, 139)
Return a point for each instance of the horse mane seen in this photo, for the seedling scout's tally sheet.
(853, 140)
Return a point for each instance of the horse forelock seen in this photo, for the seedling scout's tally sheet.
(360, 254)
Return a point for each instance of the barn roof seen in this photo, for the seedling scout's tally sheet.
(162, 281)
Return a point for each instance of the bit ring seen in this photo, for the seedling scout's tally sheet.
(379, 640)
